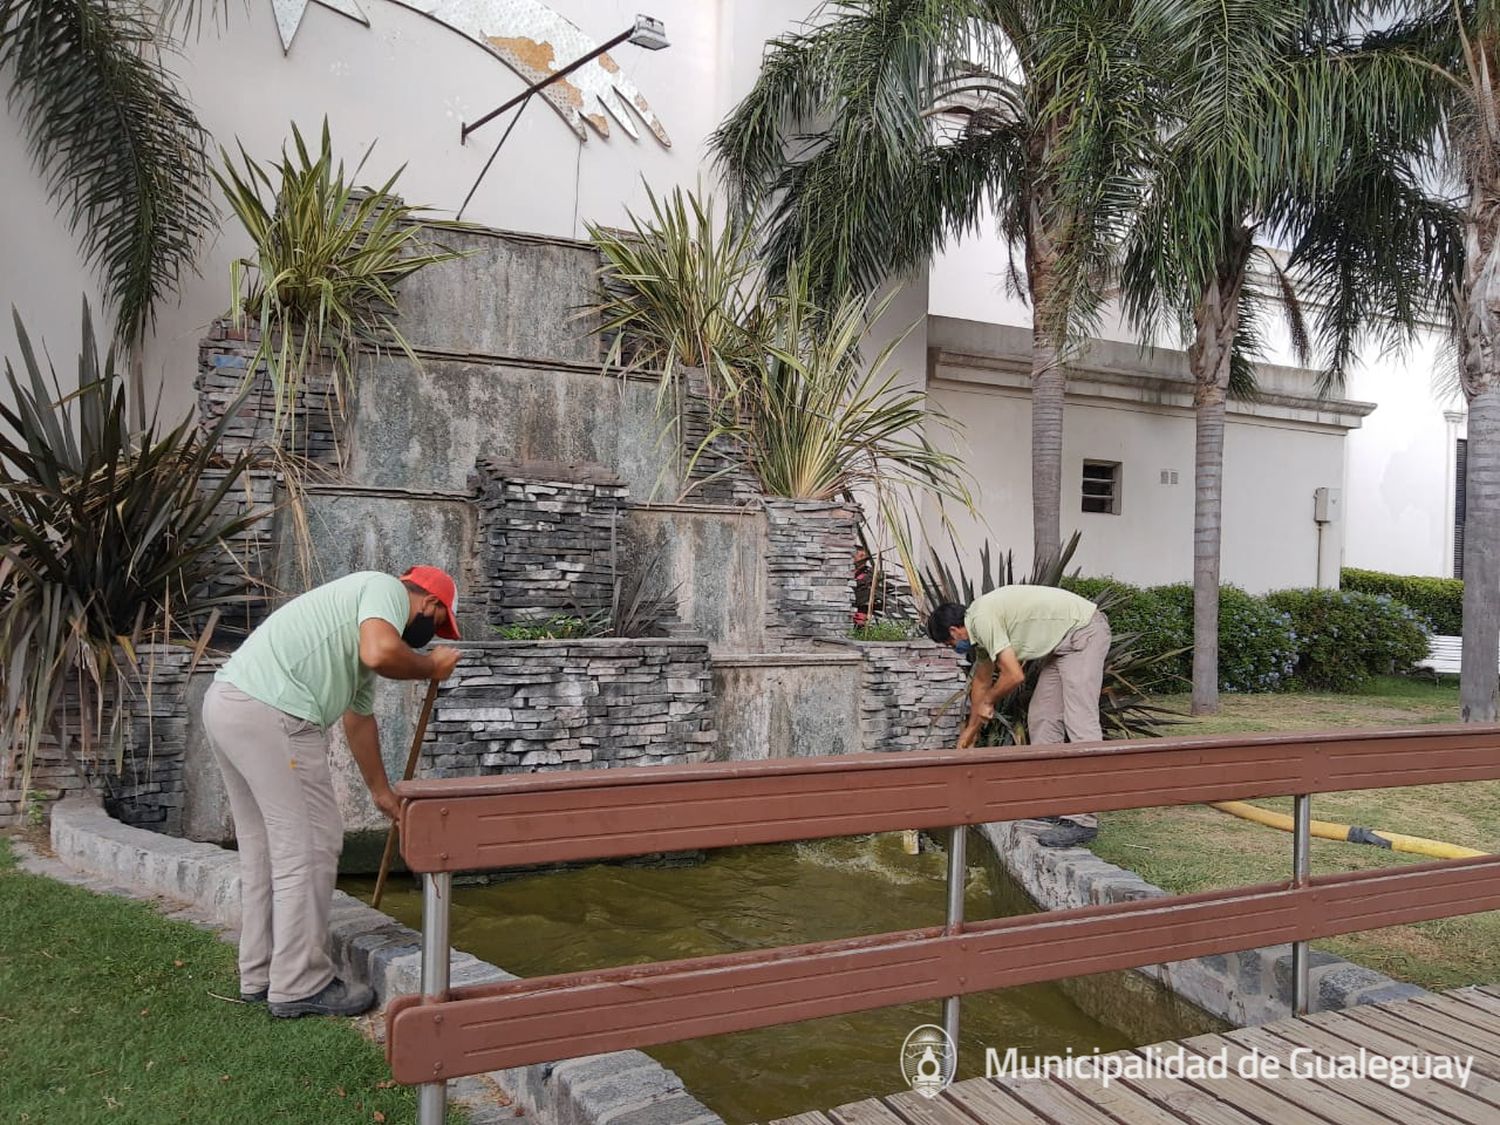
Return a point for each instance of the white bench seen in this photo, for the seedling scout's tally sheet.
(1444, 655)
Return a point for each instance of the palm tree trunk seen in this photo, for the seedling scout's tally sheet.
(1479, 360)
(1215, 320)
(1048, 379)
(1479, 675)
(1048, 382)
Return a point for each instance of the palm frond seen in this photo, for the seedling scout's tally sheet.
(119, 146)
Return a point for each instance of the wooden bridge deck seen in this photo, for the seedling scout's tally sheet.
(1463, 1023)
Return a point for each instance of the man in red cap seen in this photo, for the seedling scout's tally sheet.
(310, 664)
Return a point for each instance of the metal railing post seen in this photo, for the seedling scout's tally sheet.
(958, 843)
(437, 897)
(1301, 869)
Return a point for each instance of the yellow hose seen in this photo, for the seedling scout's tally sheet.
(1328, 830)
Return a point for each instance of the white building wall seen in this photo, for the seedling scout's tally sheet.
(1270, 539)
(1401, 466)
(1397, 474)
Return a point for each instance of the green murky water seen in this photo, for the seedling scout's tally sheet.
(751, 898)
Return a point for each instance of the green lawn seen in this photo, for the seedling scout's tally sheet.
(111, 1013)
(1197, 848)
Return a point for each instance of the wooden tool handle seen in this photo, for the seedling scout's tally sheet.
(410, 771)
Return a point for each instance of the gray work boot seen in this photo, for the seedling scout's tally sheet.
(337, 998)
(1068, 835)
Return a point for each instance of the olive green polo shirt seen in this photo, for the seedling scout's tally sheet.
(1032, 620)
(304, 658)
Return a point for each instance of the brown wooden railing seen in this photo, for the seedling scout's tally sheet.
(477, 824)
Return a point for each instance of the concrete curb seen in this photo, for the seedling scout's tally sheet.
(1250, 987)
(622, 1088)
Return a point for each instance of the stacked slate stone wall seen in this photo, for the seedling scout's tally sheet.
(548, 533)
(52, 778)
(716, 476)
(525, 706)
(313, 434)
(224, 357)
(810, 570)
(911, 695)
(148, 789)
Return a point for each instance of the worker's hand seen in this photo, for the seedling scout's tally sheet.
(444, 660)
(969, 736)
(985, 710)
(388, 803)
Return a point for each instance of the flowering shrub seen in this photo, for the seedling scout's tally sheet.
(1257, 643)
(1154, 629)
(1345, 637)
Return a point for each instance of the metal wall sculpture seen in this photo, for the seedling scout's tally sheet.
(534, 41)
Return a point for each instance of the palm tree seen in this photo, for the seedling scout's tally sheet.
(120, 148)
(876, 133)
(1443, 57)
(1279, 139)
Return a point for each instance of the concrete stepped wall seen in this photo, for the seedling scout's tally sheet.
(426, 431)
(711, 562)
(511, 295)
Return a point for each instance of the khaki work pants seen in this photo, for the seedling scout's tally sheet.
(289, 832)
(1065, 705)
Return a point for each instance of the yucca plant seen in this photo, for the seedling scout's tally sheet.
(321, 285)
(1124, 710)
(112, 539)
(679, 289)
(815, 421)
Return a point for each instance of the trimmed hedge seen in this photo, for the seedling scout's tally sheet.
(1344, 637)
(1440, 601)
(1257, 648)
(1323, 640)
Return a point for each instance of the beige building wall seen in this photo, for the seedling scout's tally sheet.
(1135, 411)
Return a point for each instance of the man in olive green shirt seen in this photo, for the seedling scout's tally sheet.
(310, 664)
(1020, 623)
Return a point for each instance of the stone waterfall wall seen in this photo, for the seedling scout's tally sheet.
(911, 695)
(149, 789)
(810, 570)
(523, 706)
(547, 533)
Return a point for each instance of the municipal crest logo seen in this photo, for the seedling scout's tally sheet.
(929, 1059)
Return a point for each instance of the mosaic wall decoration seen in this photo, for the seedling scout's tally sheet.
(534, 41)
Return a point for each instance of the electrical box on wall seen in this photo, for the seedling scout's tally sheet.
(1326, 505)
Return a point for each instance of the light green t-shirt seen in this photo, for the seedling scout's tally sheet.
(304, 658)
(1030, 619)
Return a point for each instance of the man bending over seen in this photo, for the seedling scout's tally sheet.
(267, 714)
(1021, 623)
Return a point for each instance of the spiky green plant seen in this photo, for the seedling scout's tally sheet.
(679, 289)
(328, 257)
(120, 148)
(814, 421)
(112, 538)
(1124, 710)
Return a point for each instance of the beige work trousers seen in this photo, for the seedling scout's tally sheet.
(289, 832)
(1065, 705)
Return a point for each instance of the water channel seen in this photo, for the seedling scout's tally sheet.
(749, 898)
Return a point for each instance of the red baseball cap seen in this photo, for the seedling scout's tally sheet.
(440, 585)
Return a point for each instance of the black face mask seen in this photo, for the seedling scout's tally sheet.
(420, 630)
